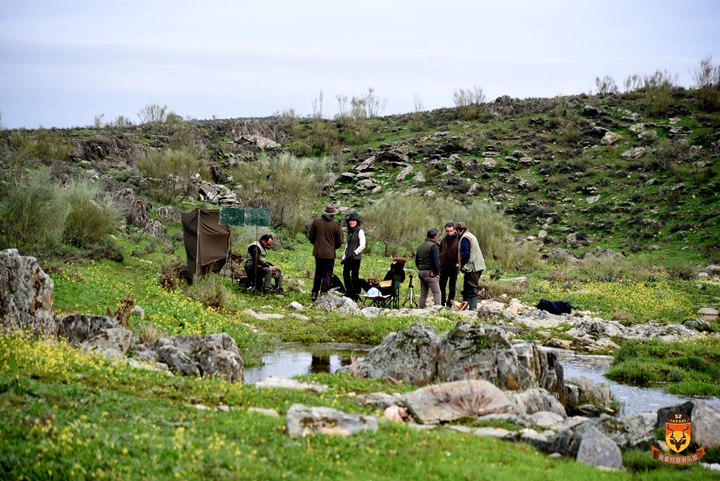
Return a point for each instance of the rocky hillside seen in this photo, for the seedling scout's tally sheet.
(578, 171)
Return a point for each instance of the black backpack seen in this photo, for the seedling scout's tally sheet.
(554, 307)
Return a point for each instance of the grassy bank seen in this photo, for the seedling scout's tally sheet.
(67, 415)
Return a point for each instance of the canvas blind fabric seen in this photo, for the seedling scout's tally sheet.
(206, 241)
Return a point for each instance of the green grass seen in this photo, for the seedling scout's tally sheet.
(686, 368)
(67, 415)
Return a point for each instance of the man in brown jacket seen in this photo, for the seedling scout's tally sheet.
(449, 265)
(326, 236)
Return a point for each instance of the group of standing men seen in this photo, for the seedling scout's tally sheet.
(439, 265)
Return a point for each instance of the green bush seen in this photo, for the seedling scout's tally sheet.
(170, 173)
(32, 212)
(92, 216)
(287, 185)
(210, 291)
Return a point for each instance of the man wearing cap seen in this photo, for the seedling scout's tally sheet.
(471, 262)
(427, 260)
(352, 256)
(326, 236)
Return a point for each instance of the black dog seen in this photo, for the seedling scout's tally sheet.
(554, 307)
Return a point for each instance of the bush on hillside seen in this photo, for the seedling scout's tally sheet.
(287, 185)
(92, 216)
(707, 82)
(32, 212)
(169, 173)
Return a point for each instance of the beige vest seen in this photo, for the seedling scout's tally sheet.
(476, 261)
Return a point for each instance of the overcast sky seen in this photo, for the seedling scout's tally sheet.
(62, 62)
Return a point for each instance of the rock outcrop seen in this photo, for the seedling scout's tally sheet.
(99, 334)
(26, 295)
(213, 355)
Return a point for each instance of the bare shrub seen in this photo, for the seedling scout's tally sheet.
(91, 216)
(621, 315)
(680, 270)
(470, 102)
(122, 313)
(148, 333)
(491, 289)
(658, 91)
(153, 114)
(317, 106)
(606, 85)
(170, 172)
(173, 272)
(707, 82)
(122, 121)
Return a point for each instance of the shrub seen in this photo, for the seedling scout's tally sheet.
(170, 172)
(107, 249)
(658, 92)
(153, 114)
(287, 185)
(91, 216)
(470, 102)
(680, 270)
(606, 85)
(173, 272)
(210, 291)
(32, 212)
(707, 82)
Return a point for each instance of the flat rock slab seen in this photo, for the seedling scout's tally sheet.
(456, 400)
(287, 383)
(302, 420)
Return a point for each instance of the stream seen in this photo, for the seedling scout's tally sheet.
(295, 359)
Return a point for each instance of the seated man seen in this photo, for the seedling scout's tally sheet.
(257, 267)
(395, 273)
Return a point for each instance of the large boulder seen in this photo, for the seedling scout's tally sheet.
(409, 356)
(26, 295)
(456, 400)
(596, 449)
(302, 420)
(101, 334)
(581, 394)
(213, 355)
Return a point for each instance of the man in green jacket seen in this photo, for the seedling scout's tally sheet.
(472, 264)
(326, 236)
(257, 266)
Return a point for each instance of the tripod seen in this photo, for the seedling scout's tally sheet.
(411, 295)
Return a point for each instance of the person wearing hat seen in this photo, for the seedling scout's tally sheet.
(471, 262)
(352, 256)
(326, 236)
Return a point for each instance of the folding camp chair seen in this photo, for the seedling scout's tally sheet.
(390, 295)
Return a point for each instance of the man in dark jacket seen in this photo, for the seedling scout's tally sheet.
(257, 266)
(326, 236)
(427, 260)
(449, 263)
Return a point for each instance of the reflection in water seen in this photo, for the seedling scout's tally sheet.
(297, 359)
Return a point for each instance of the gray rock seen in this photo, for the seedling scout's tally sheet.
(582, 391)
(133, 206)
(538, 400)
(332, 302)
(409, 356)
(633, 154)
(101, 334)
(542, 441)
(378, 400)
(303, 420)
(213, 355)
(610, 138)
(456, 400)
(628, 432)
(404, 173)
(648, 136)
(26, 295)
(492, 432)
(547, 419)
(480, 352)
(706, 424)
(662, 413)
(596, 449)
(596, 328)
